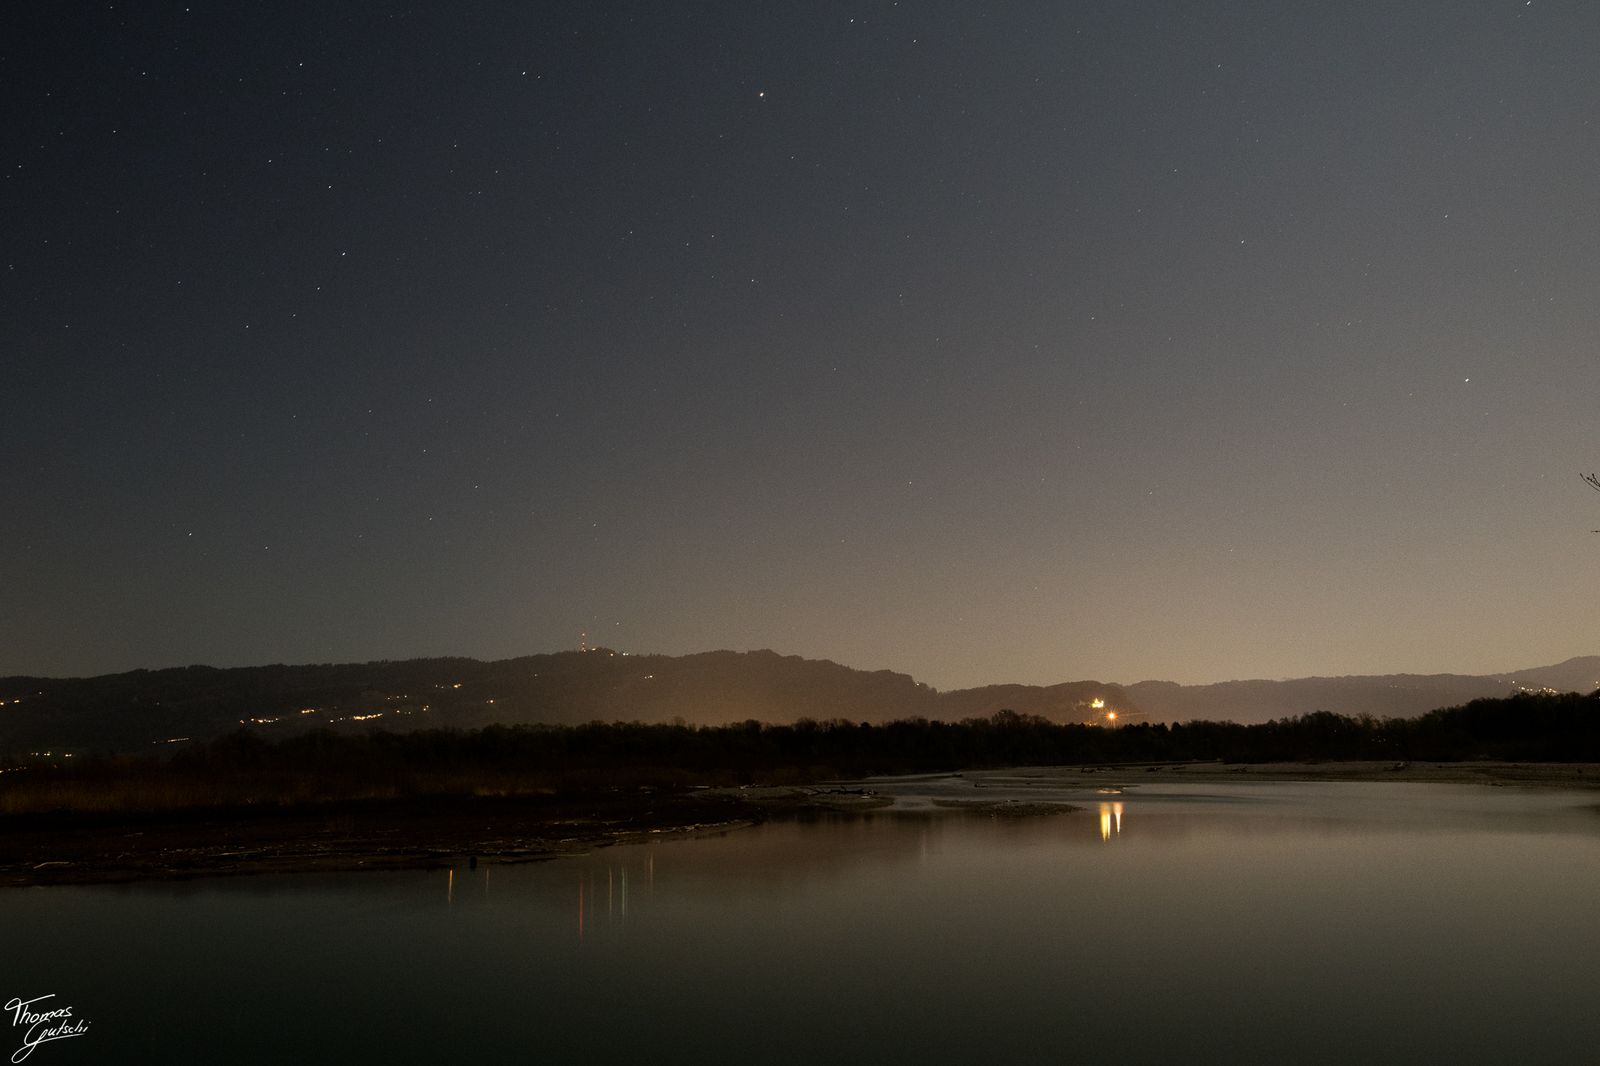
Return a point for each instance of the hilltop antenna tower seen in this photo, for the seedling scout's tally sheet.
(583, 640)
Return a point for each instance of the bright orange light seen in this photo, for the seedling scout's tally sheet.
(1111, 716)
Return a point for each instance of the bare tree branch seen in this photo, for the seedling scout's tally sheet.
(1594, 481)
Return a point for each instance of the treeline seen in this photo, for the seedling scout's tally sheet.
(1528, 727)
(245, 768)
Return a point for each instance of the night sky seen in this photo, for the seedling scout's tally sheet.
(986, 342)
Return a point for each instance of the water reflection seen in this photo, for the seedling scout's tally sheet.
(1396, 924)
(450, 881)
(620, 891)
(1110, 820)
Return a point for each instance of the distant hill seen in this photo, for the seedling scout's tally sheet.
(147, 710)
(1382, 696)
(160, 710)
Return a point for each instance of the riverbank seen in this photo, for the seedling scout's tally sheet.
(1525, 774)
(414, 833)
(78, 848)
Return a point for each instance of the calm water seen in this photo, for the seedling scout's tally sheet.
(1259, 923)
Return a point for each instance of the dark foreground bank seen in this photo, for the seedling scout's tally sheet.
(66, 847)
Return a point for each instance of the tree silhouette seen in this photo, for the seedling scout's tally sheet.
(1594, 483)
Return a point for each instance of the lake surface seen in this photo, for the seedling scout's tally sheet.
(1263, 922)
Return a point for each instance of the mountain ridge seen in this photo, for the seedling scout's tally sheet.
(155, 710)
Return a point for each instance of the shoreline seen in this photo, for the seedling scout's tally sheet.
(1479, 772)
(69, 848)
(74, 848)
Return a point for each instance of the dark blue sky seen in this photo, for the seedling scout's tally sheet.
(1025, 341)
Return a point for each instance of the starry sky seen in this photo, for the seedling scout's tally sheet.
(1024, 341)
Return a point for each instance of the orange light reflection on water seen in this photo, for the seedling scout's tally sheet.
(1110, 820)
